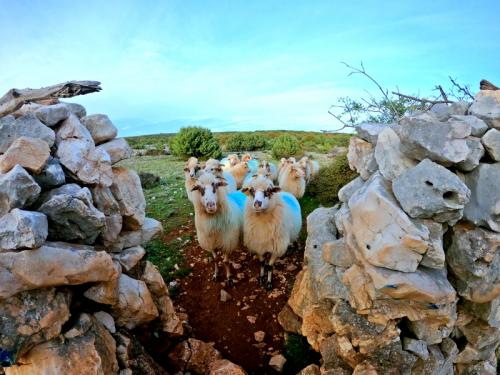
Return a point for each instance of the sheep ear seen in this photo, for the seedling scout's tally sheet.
(218, 169)
(195, 187)
(245, 190)
(221, 183)
(275, 189)
(186, 169)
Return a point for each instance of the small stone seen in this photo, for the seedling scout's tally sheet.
(361, 157)
(349, 189)
(487, 109)
(106, 320)
(417, 347)
(100, 127)
(52, 175)
(491, 142)
(22, 229)
(117, 149)
(478, 126)
(76, 109)
(225, 296)
(128, 192)
(476, 152)
(30, 153)
(25, 126)
(225, 367)
(128, 258)
(277, 362)
(251, 319)
(17, 189)
(259, 336)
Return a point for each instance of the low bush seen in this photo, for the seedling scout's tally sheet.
(327, 183)
(285, 146)
(195, 141)
(245, 142)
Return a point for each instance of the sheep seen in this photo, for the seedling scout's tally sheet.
(229, 161)
(191, 169)
(292, 180)
(252, 163)
(273, 221)
(310, 167)
(214, 166)
(218, 219)
(239, 172)
(265, 169)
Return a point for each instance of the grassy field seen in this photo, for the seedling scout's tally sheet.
(168, 203)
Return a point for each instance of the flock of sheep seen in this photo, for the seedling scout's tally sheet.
(236, 201)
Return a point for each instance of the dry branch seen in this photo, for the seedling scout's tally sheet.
(422, 100)
(15, 98)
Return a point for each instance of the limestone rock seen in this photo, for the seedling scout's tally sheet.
(277, 362)
(128, 192)
(369, 131)
(106, 292)
(17, 189)
(52, 175)
(474, 258)
(25, 126)
(22, 229)
(76, 109)
(361, 157)
(53, 264)
(476, 152)
(100, 127)
(150, 229)
(489, 311)
(92, 353)
(440, 360)
(442, 142)
(106, 320)
(106, 203)
(430, 191)
(310, 370)
(337, 254)
(391, 161)
(483, 208)
(478, 126)
(135, 303)
(434, 257)
(491, 142)
(159, 291)
(384, 234)
(51, 115)
(348, 190)
(224, 367)
(194, 356)
(289, 320)
(30, 318)
(128, 258)
(71, 213)
(30, 153)
(417, 347)
(441, 111)
(488, 109)
(117, 149)
(72, 128)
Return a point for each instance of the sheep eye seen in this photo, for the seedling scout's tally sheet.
(252, 191)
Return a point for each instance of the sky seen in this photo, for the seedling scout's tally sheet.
(243, 65)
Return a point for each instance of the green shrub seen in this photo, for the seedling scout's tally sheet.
(245, 142)
(298, 353)
(285, 146)
(326, 185)
(195, 141)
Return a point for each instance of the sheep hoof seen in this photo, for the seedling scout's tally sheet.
(262, 280)
(214, 277)
(229, 282)
(269, 285)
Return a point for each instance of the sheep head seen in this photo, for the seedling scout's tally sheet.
(191, 167)
(233, 160)
(246, 157)
(261, 190)
(297, 171)
(207, 187)
(213, 166)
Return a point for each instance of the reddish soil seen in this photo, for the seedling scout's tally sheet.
(231, 325)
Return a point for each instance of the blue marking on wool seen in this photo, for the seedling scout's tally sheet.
(247, 179)
(225, 161)
(231, 182)
(239, 198)
(294, 205)
(253, 164)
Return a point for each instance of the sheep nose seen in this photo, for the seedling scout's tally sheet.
(211, 204)
(257, 204)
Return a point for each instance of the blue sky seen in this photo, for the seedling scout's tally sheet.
(242, 65)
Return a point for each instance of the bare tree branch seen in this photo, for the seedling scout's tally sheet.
(422, 100)
(345, 124)
(463, 89)
(441, 91)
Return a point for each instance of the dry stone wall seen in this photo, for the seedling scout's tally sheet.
(403, 276)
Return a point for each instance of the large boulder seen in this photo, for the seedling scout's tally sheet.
(30, 153)
(442, 142)
(474, 258)
(128, 192)
(488, 109)
(22, 229)
(30, 318)
(53, 264)
(384, 235)
(370, 131)
(491, 142)
(117, 149)
(106, 292)
(483, 208)
(100, 127)
(25, 126)
(361, 157)
(72, 215)
(430, 191)
(17, 189)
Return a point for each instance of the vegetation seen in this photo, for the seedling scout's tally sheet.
(298, 353)
(285, 146)
(245, 142)
(326, 185)
(195, 141)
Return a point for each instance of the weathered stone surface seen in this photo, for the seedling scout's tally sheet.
(483, 208)
(51, 115)
(17, 189)
(479, 334)
(159, 291)
(30, 153)
(391, 161)
(76, 109)
(22, 229)
(71, 213)
(430, 191)
(488, 109)
(443, 142)
(417, 347)
(106, 320)
(92, 353)
(135, 303)
(150, 229)
(361, 157)
(225, 367)
(310, 370)
(106, 292)
(25, 126)
(390, 359)
(290, 321)
(128, 258)
(100, 127)
(491, 142)
(489, 311)
(478, 126)
(337, 254)
(72, 128)
(82, 325)
(384, 234)
(194, 356)
(106, 203)
(348, 190)
(52, 174)
(474, 258)
(277, 362)
(476, 152)
(117, 149)
(30, 318)
(53, 264)
(128, 192)
(434, 256)
(370, 131)
(440, 361)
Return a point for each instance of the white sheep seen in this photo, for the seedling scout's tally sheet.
(191, 169)
(292, 180)
(218, 218)
(215, 167)
(229, 161)
(265, 169)
(310, 167)
(253, 164)
(239, 172)
(273, 221)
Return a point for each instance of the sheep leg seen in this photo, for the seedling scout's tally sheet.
(270, 267)
(216, 268)
(227, 265)
(262, 275)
